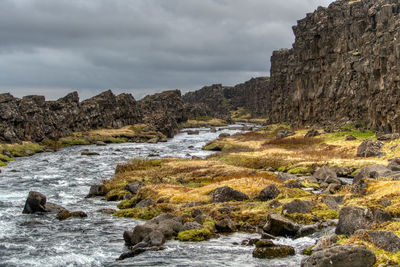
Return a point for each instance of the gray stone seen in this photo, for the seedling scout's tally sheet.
(277, 225)
(224, 194)
(36, 202)
(385, 240)
(369, 148)
(297, 205)
(341, 256)
(268, 193)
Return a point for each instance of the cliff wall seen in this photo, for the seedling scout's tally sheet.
(217, 100)
(344, 66)
(34, 119)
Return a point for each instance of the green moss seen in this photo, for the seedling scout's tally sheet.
(198, 235)
(308, 250)
(2, 164)
(74, 141)
(359, 134)
(126, 204)
(116, 194)
(146, 213)
(203, 118)
(282, 169)
(4, 158)
(319, 213)
(300, 170)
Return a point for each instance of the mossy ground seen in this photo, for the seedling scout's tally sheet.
(138, 132)
(203, 122)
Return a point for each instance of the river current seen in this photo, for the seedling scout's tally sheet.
(65, 177)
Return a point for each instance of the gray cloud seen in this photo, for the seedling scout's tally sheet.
(140, 46)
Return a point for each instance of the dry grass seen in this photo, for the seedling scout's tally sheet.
(293, 142)
(214, 122)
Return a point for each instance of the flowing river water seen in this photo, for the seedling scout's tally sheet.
(65, 177)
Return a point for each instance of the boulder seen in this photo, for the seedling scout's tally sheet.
(145, 203)
(97, 190)
(36, 202)
(369, 148)
(307, 230)
(394, 164)
(51, 207)
(107, 211)
(352, 219)
(65, 214)
(372, 172)
(340, 256)
(388, 137)
(137, 234)
(266, 249)
(385, 240)
(268, 193)
(86, 152)
(283, 176)
(350, 138)
(297, 206)
(224, 194)
(325, 242)
(213, 130)
(191, 226)
(193, 132)
(223, 135)
(284, 133)
(333, 202)
(277, 225)
(155, 238)
(134, 187)
(100, 143)
(225, 225)
(312, 133)
(327, 175)
(293, 184)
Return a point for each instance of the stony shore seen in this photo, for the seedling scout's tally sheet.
(275, 181)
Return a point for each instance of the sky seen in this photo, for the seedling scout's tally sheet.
(53, 47)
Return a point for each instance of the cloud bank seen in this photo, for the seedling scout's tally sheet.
(140, 46)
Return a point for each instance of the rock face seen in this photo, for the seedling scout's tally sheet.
(34, 119)
(343, 66)
(217, 100)
(163, 111)
(339, 256)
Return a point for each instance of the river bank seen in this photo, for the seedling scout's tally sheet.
(298, 175)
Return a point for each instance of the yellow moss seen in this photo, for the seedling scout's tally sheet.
(214, 122)
(198, 235)
(146, 213)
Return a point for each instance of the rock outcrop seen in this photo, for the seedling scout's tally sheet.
(217, 100)
(34, 119)
(343, 67)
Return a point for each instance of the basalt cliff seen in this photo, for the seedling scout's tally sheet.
(34, 119)
(343, 67)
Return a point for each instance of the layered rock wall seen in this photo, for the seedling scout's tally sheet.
(344, 66)
(34, 119)
(217, 100)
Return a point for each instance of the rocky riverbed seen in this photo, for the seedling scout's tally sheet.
(65, 177)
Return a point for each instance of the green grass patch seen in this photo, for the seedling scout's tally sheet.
(146, 213)
(198, 235)
(138, 164)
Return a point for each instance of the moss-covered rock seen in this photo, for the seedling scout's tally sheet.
(195, 235)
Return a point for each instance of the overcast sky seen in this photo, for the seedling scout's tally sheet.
(52, 47)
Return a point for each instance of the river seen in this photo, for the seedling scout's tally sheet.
(65, 177)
